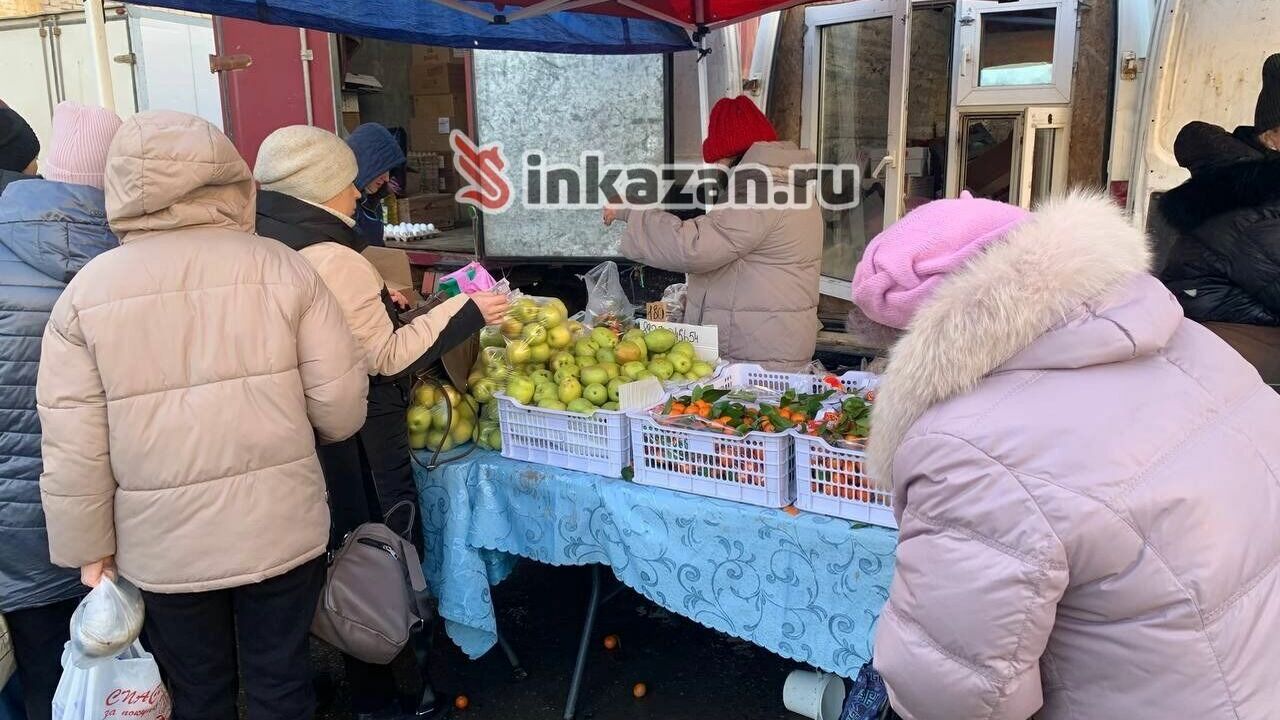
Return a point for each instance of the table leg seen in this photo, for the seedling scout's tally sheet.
(518, 672)
(575, 683)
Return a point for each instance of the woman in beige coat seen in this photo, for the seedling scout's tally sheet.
(308, 203)
(181, 376)
(753, 271)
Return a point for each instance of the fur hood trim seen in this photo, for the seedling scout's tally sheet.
(1072, 250)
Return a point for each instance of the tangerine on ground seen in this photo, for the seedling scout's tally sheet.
(461, 702)
(611, 642)
(639, 690)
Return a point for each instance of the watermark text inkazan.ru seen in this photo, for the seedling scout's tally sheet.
(593, 183)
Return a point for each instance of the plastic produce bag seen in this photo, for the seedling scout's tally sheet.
(126, 686)
(108, 620)
(674, 299)
(607, 303)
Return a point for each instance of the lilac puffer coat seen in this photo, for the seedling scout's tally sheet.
(1087, 489)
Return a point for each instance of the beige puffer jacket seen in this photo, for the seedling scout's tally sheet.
(752, 272)
(182, 374)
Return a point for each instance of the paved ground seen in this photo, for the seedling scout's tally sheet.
(691, 672)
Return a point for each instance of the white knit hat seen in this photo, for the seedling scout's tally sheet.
(305, 162)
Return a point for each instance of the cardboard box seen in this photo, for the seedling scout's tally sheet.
(439, 209)
(393, 265)
(437, 78)
(437, 105)
(431, 134)
(429, 55)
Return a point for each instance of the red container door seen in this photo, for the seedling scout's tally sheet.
(269, 91)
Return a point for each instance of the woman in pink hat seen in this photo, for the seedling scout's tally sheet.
(753, 271)
(1087, 483)
(49, 229)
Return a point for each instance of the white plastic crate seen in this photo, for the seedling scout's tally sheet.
(756, 468)
(834, 481)
(748, 375)
(597, 443)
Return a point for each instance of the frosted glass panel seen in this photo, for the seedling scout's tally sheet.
(564, 105)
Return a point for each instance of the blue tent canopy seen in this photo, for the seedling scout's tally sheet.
(424, 22)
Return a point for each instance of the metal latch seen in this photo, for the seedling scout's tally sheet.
(126, 59)
(223, 63)
(1129, 66)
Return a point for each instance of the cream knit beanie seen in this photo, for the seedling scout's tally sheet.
(305, 162)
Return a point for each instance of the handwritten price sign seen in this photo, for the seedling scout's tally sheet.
(705, 338)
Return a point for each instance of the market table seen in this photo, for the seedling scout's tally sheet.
(804, 586)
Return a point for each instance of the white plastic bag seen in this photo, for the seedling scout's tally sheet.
(127, 686)
(108, 620)
(607, 302)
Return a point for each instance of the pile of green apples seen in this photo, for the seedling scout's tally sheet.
(441, 419)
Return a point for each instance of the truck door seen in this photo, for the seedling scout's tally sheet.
(272, 76)
(171, 62)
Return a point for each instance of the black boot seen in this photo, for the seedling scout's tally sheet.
(431, 706)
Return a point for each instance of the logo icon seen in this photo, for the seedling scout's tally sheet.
(485, 171)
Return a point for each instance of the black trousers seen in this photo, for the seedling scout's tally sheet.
(367, 476)
(204, 642)
(38, 636)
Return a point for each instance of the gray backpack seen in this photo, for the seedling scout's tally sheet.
(374, 597)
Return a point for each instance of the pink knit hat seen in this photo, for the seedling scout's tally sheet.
(78, 151)
(904, 264)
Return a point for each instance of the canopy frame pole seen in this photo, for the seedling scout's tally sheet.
(704, 80)
(657, 14)
(97, 26)
(539, 9)
(467, 8)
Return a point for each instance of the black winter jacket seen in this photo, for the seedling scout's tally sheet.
(1225, 266)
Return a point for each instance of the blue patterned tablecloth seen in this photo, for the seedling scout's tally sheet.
(806, 587)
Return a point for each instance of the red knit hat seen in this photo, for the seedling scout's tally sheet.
(735, 125)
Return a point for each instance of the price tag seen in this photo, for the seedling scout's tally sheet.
(705, 338)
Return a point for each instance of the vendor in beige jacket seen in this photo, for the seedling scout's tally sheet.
(753, 271)
(307, 202)
(181, 379)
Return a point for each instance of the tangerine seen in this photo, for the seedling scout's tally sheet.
(639, 690)
(461, 702)
(611, 642)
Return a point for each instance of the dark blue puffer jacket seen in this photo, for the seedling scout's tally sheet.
(48, 232)
(376, 152)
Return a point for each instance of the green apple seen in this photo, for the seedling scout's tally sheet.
(613, 388)
(489, 411)
(520, 389)
(491, 336)
(546, 392)
(425, 395)
(612, 369)
(558, 304)
(596, 394)
(633, 369)
(570, 390)
(682, 363)
(611, 405)
(541, 375)
(552, 315)
(540, 353)
(662, 367)
(701, 369)
(512, 327)
(582, 406)
(684, 347)
(660, 340)
(534, 334)
(584, 346)
(629, 351)
(585, 360)
(559, 337)
(594, 375)
(566, 371)
(417, 440)
(525, 310)
(462, 431)
(645, 374)
(559, 359)
(419, 419)
(483, 389)
(552, 404)
(519, 352)
(604, 337)
(440, 416)
(605, 355)
(435, 439)
(635, 334)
